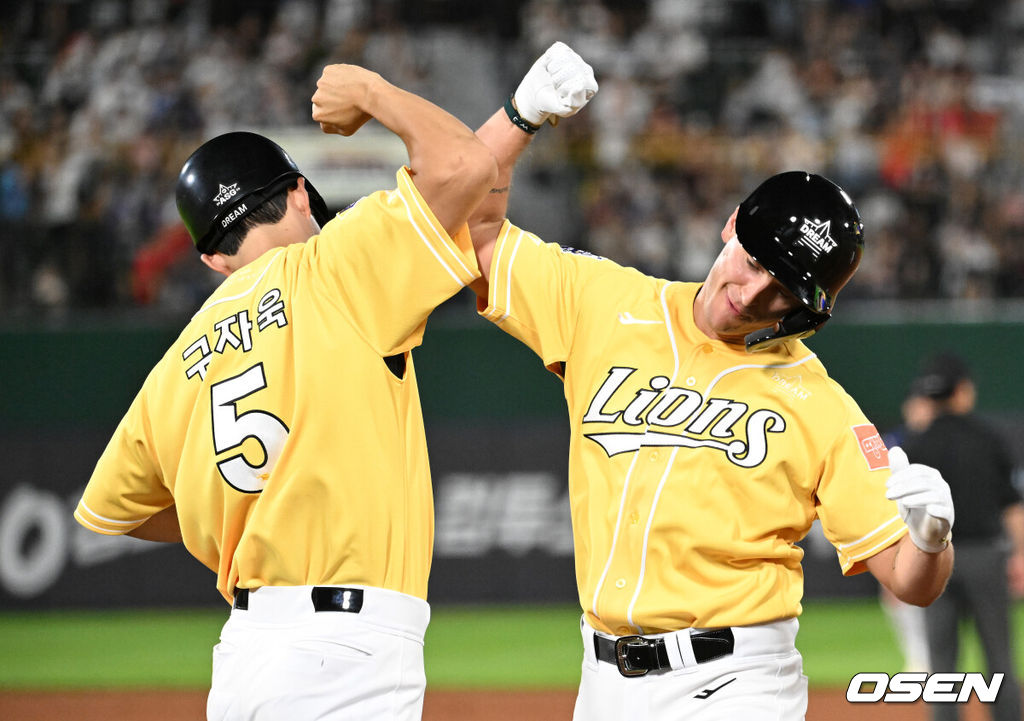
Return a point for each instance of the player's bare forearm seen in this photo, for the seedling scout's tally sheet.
(451, 167)
(912, 575)
(162, 527)
(506, 143)
(558, 84)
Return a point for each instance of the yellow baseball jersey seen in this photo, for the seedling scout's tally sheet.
(695, 467)
(295, 456)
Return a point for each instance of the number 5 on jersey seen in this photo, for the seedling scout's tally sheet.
(231, 430)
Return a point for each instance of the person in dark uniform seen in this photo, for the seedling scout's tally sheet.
(977, 464)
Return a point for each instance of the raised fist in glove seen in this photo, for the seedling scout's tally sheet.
(558, 85)
(924, 501)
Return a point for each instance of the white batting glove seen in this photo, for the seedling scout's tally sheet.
(558, 85)
(924, 501)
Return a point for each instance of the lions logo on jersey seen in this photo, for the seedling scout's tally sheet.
(704, 422)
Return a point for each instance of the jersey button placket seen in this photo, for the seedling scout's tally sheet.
(633, 529)
(702, 349)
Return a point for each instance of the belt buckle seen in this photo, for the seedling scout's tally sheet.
(622, 646)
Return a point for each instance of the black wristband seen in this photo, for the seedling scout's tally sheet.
(517, 119)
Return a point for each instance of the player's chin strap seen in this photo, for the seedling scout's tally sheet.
(798, 324)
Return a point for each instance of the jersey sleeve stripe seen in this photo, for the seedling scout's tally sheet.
(420, 218)
(431, 248)
(885, 542)
(112, 521)
(439, 232)
(848, 560)
(98, 529)
(508, 276)
(497, 264)
(866, 537)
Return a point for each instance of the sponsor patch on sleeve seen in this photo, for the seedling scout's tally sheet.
(872, 447)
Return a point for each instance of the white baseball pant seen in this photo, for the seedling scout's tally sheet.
(761, 680)
(281, 660)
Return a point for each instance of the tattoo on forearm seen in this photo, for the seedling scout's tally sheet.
(499, 190)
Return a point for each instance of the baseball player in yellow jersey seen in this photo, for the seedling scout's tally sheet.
(705, 439)
(280, 437)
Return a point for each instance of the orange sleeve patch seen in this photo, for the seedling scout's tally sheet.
(872, 447)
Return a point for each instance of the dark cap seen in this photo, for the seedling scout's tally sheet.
(940, 375)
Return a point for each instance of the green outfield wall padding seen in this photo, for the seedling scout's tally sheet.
(86, 375)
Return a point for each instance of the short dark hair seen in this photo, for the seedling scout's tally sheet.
(268, 212)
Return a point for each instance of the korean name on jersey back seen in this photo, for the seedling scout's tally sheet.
(703, 422)
(234, 331)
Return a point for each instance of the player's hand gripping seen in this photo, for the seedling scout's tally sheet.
(924, 501)
(342, 98)
(558, 85)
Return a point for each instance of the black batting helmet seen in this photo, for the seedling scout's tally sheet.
(227, 178)
(804, 230)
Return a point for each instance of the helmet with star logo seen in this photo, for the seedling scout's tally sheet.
(804, 230)
(227, 178)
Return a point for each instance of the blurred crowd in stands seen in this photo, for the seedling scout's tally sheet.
(916, 107)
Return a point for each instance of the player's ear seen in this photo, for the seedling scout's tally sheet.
(300, 197)
(217, 262)
(730, 226)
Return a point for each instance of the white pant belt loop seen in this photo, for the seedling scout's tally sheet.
(682, 643)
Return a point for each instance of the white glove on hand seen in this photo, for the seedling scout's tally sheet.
(558, 85)
(924, 501)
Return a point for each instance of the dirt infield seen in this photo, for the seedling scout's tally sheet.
(439, 706)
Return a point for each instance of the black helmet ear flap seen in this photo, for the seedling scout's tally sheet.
(801, 323)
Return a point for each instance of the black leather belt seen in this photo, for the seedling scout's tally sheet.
(637, 655)
(324, 598)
